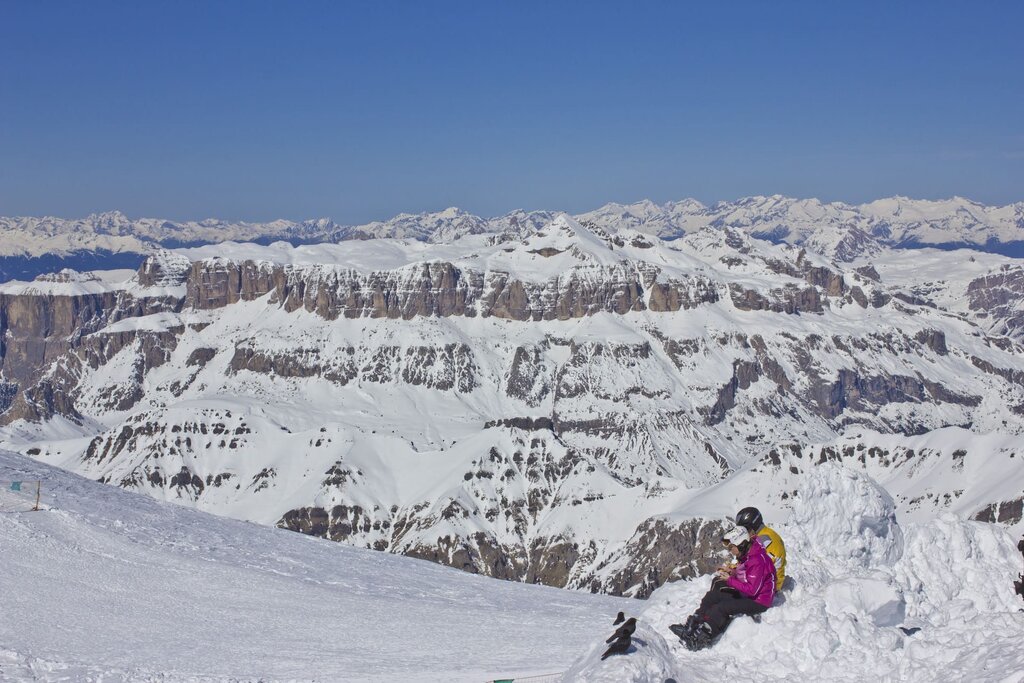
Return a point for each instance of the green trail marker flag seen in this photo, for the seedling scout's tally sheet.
(15, 485)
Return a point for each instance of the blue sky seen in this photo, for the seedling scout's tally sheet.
(360, 110)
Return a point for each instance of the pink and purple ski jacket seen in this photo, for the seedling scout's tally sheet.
(755, 576)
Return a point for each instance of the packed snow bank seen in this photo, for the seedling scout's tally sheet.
(114, 586)
(860, 586)
(843, 518)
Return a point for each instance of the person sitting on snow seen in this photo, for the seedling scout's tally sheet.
(750, 519)
(744, 588)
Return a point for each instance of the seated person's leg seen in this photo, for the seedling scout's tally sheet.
(719, 589)
(740, 606)
(721, 613)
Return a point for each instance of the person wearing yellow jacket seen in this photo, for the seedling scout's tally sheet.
(750, 519)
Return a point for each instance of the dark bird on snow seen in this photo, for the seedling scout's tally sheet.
(619, 619)
(625, 630)
(617, 648)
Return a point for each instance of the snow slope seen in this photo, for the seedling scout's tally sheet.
(114, 586)
(110, 586)
(858, 576)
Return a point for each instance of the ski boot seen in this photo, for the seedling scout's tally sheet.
(701, 637)
(685, 631)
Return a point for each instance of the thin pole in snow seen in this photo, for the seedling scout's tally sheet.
(38, 486)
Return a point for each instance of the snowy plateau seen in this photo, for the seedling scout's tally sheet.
(569, 401)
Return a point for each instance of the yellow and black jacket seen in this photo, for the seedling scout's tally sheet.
(776, 549)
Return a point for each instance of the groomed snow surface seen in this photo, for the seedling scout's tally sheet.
(112, 586)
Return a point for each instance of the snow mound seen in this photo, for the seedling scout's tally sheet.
(867, 600)
(973, 555)
(842, 516)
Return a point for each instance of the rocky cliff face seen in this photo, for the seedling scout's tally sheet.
(999, 297)
(442, 289)
(549, 408)
(46, 332)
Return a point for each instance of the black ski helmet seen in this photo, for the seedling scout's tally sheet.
(750, 519)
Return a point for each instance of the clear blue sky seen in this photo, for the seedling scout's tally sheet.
(360, 110)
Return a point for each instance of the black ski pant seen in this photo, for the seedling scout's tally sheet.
(719, 607)
(714, 594)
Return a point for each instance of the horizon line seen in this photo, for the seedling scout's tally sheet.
(711, 205)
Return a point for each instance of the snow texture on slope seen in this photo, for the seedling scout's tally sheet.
(112, 586)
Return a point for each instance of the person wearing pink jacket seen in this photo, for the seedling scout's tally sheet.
(745, 588)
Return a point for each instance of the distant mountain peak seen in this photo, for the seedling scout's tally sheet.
(837, 230)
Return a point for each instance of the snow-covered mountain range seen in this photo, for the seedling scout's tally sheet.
(30, 246)
(565, 404)
(841, 231)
